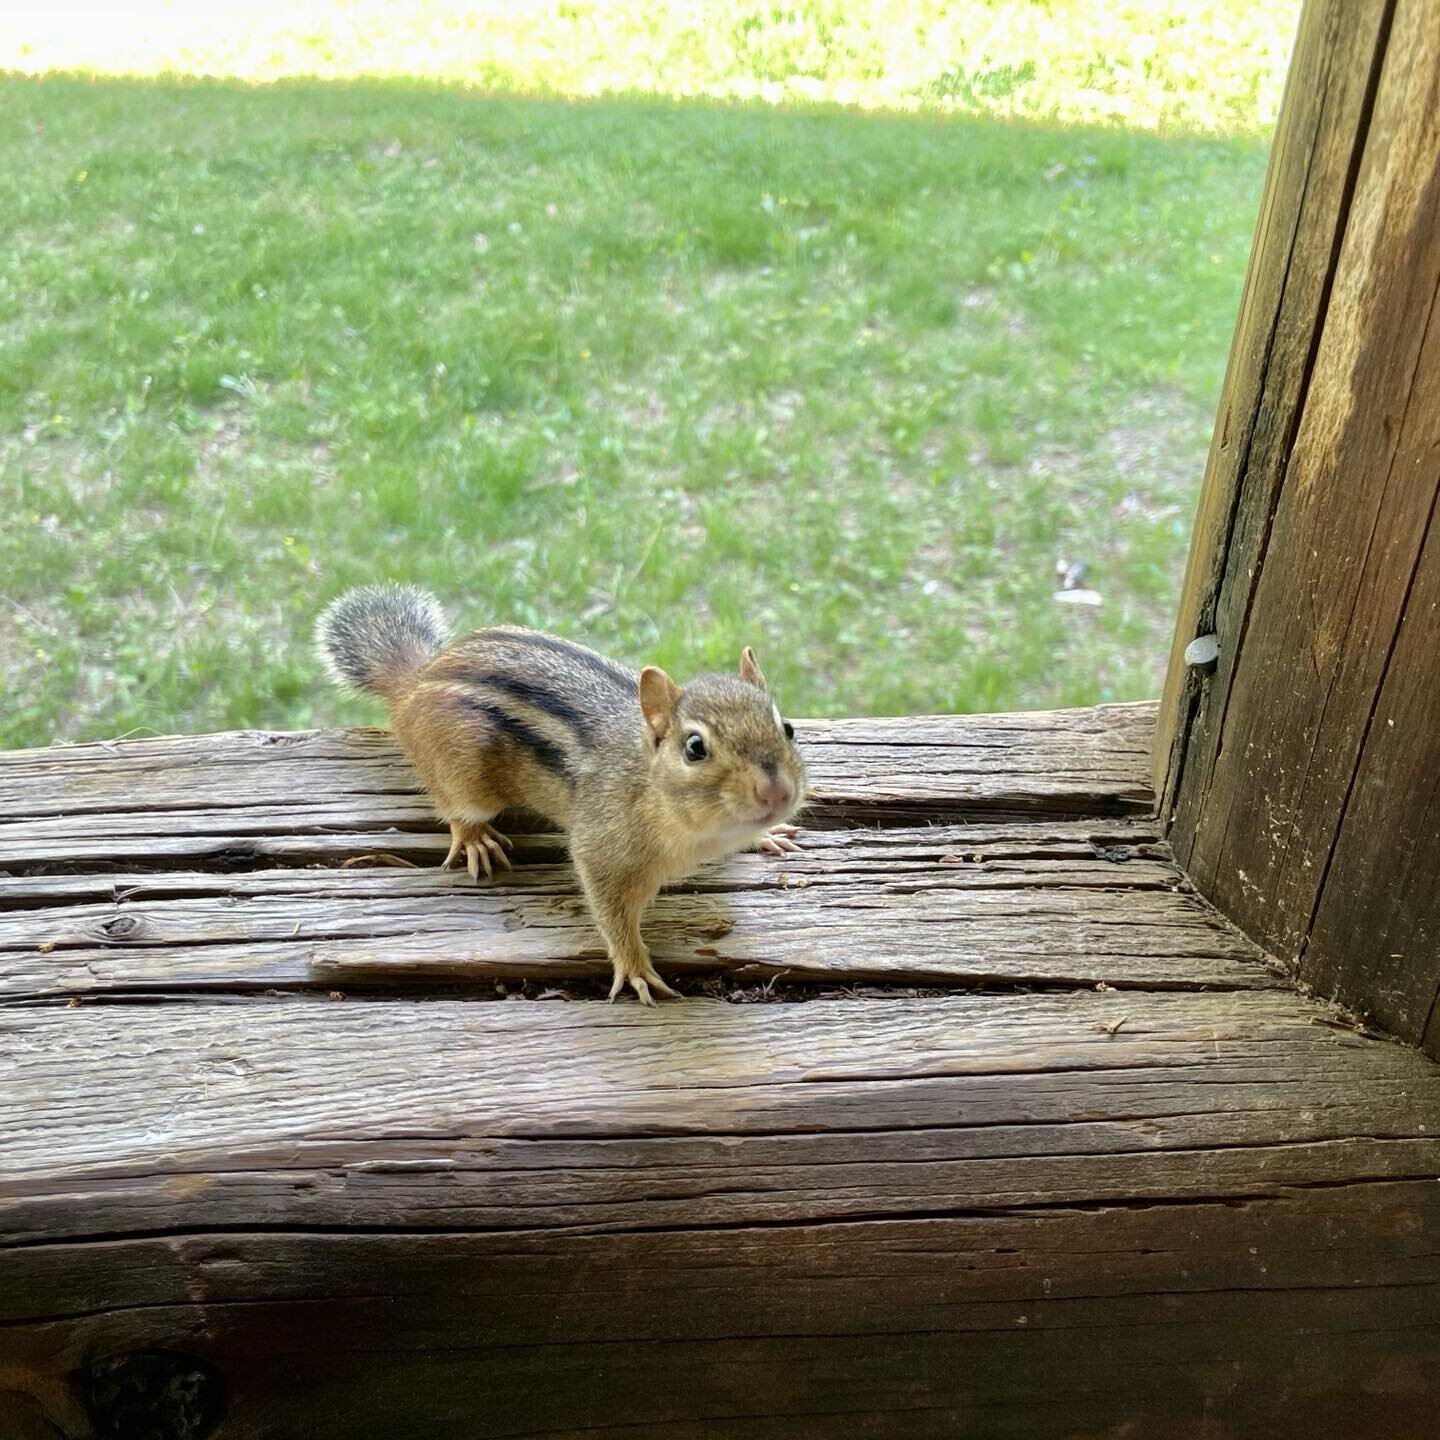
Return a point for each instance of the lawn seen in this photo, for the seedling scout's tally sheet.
(844, 382)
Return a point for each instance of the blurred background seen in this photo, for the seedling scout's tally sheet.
(883, 336)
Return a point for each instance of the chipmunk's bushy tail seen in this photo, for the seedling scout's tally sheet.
(376, 637)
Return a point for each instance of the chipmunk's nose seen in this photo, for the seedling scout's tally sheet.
(774, 792)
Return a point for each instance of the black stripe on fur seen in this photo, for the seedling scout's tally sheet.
(531, 692)
(511, 727)
(612, 670)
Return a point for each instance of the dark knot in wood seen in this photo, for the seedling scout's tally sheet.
(153, 1395)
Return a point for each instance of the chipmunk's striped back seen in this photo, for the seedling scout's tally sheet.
(554, 699)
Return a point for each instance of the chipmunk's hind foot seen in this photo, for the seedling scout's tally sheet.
(483, 847)
(641, 977)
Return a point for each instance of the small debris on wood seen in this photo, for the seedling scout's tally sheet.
(1351, 1027)
(715, 928)
(73, 1003)
(750, 994)
(379, 858)
(1101, 985)
(337, 995)
(45, 946)
(952, 859)
(1112, 1027)
(793, 882)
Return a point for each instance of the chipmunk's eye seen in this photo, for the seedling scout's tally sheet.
(694, 748)
(788, 728)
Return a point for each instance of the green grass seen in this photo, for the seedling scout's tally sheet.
(1214, 65)
(669, 377)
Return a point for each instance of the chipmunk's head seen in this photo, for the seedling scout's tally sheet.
(721, 753)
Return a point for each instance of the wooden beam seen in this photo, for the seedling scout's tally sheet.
(1375, 941)
(520, 1220)
(1187, 1321)
(1280, 789)
(332, 1151)
(1313, 160)
(1028, 902)
(308, 794)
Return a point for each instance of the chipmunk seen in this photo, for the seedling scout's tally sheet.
(650, 779)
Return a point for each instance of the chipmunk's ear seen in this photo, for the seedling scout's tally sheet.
(659, 695)
(750, 668)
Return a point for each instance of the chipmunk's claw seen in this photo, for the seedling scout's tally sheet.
(640, 978)
(482, 844)
(779, 840)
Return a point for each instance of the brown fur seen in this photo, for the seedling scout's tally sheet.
(510, 718)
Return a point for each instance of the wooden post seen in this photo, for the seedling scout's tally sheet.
(1300, 774)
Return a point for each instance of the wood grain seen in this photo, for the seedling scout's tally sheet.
(1052, 903)
(1046, 1325)
(1375, 942)
(1322, 593)
(250, 788)
(517, 1219)
(1193, 1322)
(1304, 210)
(1347, 530)
(583, 1114)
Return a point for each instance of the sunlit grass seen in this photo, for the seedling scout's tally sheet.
(1214, 65)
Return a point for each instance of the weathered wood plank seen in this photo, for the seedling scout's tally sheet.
(548, 1219)
(1051, 903)
(522, 1219)
(1191, 1322)
(1322, 568)
(1375, 942)
(1359, 490)
(1303, 213)
(992, 855)
(1082, 762)
(578, 1115)
(524, 1115)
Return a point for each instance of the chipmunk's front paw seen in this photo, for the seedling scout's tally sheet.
(779, 840)
(483, 846)
(641, 977)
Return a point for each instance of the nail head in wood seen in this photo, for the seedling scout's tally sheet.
(1203, 651)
